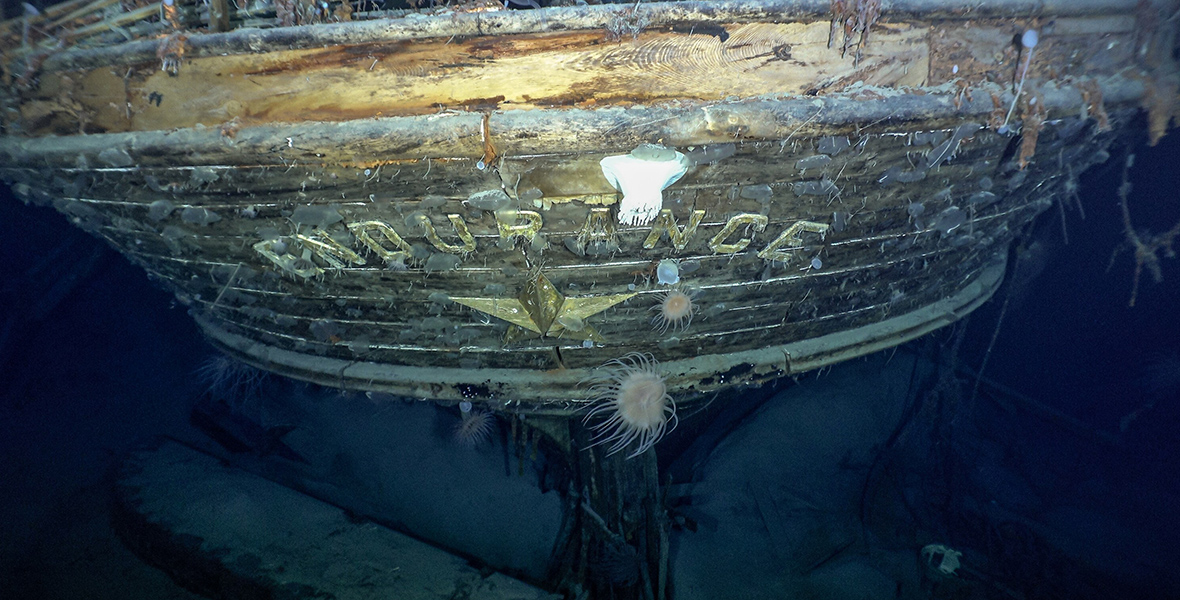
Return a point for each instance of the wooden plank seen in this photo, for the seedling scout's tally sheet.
(509, 72)
(405, 25)
(373, 142)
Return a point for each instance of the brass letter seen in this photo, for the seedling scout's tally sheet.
(506, 222)
(286, 261)
(666, 222)
(758, 222)
(791, 238)
(597, 234)
(361, 231)
(460, 230)
(332, 252)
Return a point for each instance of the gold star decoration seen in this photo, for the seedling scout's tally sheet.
(542, 310)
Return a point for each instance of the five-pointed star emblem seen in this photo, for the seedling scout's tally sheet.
(543, 310)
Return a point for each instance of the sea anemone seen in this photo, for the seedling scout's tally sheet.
(632, 397)
(674, 310)
(474, 427)
(231, 380)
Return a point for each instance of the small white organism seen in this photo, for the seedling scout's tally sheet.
(642, 177)
(668, 272)
(941, 559)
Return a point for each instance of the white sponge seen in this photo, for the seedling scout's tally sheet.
(642, 176)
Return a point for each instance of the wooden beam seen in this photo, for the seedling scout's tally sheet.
(219, 15)
(659, 16)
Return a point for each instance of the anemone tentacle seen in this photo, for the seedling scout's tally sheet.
(631, 397)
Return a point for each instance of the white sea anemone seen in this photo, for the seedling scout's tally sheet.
(474, 427)
(674, 310)
(230, 380)
(633, 401)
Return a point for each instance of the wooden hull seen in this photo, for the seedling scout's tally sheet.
(417, 206)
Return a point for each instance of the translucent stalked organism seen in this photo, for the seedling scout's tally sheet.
(642, 176)
(160, 209)
(490, 200)
(668, 272)
(711, 153)
(1029, 42)
(199, 216)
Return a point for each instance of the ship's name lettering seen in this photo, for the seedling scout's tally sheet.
(598, 231)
